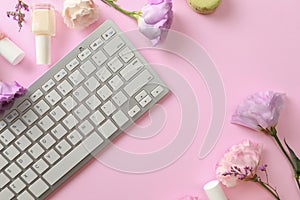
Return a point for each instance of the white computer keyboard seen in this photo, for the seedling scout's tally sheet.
(81, 103)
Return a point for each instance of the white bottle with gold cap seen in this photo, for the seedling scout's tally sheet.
(43, 26)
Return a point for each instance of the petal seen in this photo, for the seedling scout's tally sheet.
(154, 13)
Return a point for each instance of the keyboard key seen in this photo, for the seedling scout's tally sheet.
(36, 95)
(126, 54)
(115, 64)
(63, 147)
(64, 87)
(108, 34)
(133, 111)
(120, 118)
(120, 98)
(12, 116)
(60, 75)
(104, 92)
(17, 185)
(80, 93)
(92, 84)
(93, 102)
(3, 162)
(29, 117)
(103, 74)
(115, 82)
(136, 84)
(85, 127)
(84, 54)
(36, 151)
(113, 46)
(59, 131)
(40, 166)
(99, 58)
(47, 141)
(57, 113)
(131, 69)
(29, 176)
(3, 180)
(6, 137)
(76, 77)
(108, 108)
(70, 121)
(6, 194)
(11, 152)
(2, 125)
(22, 143)
(38, 188)
(96, 44)
(25, 196)
(74, 137)
(71, 65)
(69, 103)
(97, 118)
(107, 129)
(41, 107)
(34, 133)
(53, 97)
(1, 147)
(24, 160)
(46, 123)
(18, 127)
(67, 163)
(48, 85)
(23, 106)
(140, 96)
(81, 112)
(145, 101)
(51, 157)
(87, 68)
(13, 170)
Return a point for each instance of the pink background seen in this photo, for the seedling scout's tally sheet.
(255, 47)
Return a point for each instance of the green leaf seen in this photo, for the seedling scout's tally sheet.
(295, 159)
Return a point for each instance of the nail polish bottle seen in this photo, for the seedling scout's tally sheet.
(43, 26)
(9, 50)
(214, 191)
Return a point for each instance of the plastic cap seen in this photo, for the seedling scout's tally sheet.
(43, 49)
(11, 52)
(214, 191)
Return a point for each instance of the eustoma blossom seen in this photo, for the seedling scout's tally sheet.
(241, 163)
(8, 92)
(154, 19)
(260, 112)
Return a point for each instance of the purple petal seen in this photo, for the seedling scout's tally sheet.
(8, 92)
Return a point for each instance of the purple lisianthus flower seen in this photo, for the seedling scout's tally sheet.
(156, 19)
(8, 92)
(259, 111)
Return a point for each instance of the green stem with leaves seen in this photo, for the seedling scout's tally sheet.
(133, 14)
(273, 133)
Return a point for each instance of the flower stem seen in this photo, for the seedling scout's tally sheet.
(266, 186)
(273, 133)
(269, 189)
(133, 14)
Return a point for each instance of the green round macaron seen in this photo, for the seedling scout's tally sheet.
(204, 6)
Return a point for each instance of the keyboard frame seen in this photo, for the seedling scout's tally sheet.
(61, 64)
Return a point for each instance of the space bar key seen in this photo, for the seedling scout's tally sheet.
(73, 158)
